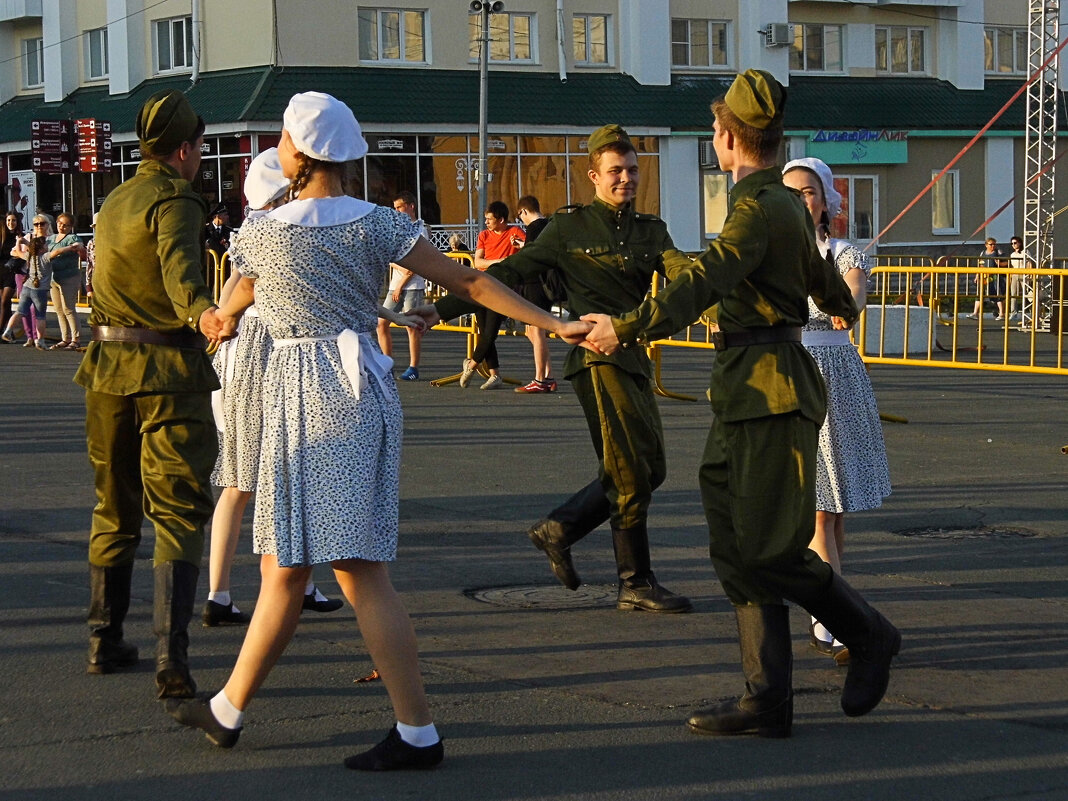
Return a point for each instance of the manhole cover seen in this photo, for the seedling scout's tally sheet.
(545, 597)
(972, 533)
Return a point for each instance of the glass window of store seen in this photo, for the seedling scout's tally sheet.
(173, 44)
(699, 44)
(32, 63)
(393, 35)
(859, 217)
(95, 44)
(900, 50)
(817, 48)
(512, 37)
(1005, 51)
(591, 40)
(945, 204)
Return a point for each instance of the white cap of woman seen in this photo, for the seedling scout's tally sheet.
(831, 197)
(265, 182)
(323, 128)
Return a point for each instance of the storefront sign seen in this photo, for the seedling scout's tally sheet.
(862, 146)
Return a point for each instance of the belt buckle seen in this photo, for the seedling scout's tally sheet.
(719, 340)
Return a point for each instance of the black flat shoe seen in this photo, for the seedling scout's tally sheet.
(219, 615)
(818, 645)
(197, 714)
(395, 754)
(329, 605)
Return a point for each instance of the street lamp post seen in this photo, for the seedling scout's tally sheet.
(485, 9)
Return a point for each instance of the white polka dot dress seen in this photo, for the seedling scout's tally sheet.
(328, 483)
(851, 468)
(241, 364)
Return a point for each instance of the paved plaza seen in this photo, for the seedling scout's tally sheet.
(545, 694)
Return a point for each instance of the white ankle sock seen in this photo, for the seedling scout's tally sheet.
(226, 713)
(821, 631)
(221, 597)
(419, 736)
(309, 588)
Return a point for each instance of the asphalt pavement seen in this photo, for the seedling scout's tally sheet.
(545, 694)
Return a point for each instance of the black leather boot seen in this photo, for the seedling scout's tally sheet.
(767, 707)
(871, 639)
(638, 587)
(109, 601)
(176, 589)
(567, 524)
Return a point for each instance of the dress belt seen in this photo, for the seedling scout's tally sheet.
(824, 336)
(359, 357)
(756, 336)
(148, 336)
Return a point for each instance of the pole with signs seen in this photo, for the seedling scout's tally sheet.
(484, 9)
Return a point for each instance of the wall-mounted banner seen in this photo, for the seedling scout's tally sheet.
(863, 146)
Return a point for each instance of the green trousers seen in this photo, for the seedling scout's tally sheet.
(627, 434)
(757, 480)
(152, 455)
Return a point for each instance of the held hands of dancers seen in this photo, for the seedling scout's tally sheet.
(602, 335)
(216, 327)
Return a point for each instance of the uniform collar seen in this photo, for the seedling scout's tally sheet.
(615, 212)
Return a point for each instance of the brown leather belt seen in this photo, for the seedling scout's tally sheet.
(756, 336)
(148, 336)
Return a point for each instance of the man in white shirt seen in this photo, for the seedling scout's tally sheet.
(406, 292)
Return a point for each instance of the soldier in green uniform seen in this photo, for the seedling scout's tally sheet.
(147, 379)
(606, 255)
(757, 474)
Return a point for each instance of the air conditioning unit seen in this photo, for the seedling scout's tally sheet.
(707, 155)
(778, 34)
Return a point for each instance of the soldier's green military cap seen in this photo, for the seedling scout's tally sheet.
(606, 135)
(756, 98)
(165, 121)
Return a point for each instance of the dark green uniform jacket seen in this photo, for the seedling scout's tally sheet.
(757, 277)
(606, 257)
(149, 252)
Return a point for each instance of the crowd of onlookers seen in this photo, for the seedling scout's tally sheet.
(38, 265)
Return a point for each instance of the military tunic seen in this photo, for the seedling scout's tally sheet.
(606, 258)
(757, 475)
(151, 436)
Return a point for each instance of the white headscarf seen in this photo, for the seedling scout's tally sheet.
(832, 199)
(323, 127)
(265, 181)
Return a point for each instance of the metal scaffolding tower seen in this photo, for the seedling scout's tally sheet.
(1040, 146)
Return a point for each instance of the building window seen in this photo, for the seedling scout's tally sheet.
(698, 43)
(1006, 51)
(816, 48)
(900, 50)
(393, 35)
(96, 53)
(511, 37)
(589, 33)
(32, 63)
(860, 208)
(174, 44)
(945, 204)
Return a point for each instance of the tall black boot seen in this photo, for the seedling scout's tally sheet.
(871, 639)
(567, 524)
(109, 601)
(767, 707)
(638, 587)
(176, 590)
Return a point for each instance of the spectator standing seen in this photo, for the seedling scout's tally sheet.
(990, 257)
(496, 241)
(148, 383)
(10, 266)
(1017, 283)
(218, 232)
(36, 287)
(407, 291)
(66, 250)
(529, 211)
(852, 474)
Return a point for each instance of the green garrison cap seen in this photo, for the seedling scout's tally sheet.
(756, 98)
(165, 121)
(606, 135)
